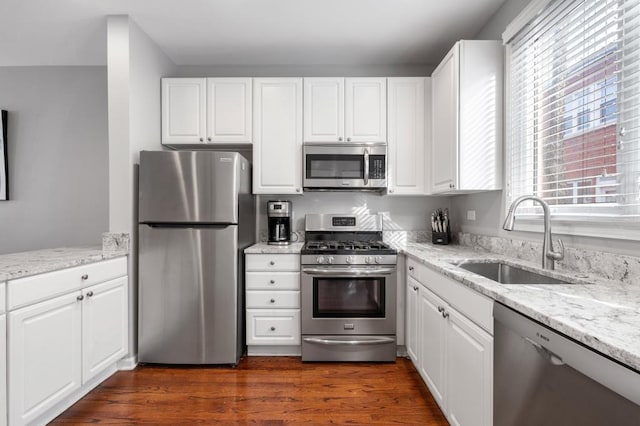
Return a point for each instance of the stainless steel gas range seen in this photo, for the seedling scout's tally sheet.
(348, 290)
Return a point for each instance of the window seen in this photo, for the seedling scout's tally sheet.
(574, 108)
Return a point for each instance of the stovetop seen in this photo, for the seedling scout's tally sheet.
(347, 247)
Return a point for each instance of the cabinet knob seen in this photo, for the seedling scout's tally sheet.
(411, 268)
(415, 288)
(297, 189)
(348, 139)
(391, 190)
(209, 138)
(84, 277)
(89, 294)
(80, 298)
(272, 281)
(340, 139)
(201, 139)
(451, 185)
(272, 263)
(273, 328)
(440, 309)
(272, 300)
(445, 314)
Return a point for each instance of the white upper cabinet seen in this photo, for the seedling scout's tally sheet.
(206, 110)
(229, 110)
(184, 110)
(466, 154)
(277, 136)
(366, 109)
(324, 110)
(408, 149)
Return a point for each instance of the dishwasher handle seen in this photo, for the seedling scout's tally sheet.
(545, 353)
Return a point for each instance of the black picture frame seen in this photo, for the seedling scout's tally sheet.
(4, 157)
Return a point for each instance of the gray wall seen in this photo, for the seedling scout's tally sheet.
(57, 144)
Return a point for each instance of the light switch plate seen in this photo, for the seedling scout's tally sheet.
(471, 215)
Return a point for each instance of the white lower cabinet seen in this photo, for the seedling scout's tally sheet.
(57, 347)
(454, 354)
(44, 356)
(3, 368)
(411, 333)
(273, 304)
(104, 326)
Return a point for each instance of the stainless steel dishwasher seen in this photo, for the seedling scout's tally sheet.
(542, 377)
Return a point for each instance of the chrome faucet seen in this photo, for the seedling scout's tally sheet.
(549, 256)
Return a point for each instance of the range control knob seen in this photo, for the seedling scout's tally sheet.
(320, 259)
(349, 259)
(330, 260)
(378, 259)
(368, 260)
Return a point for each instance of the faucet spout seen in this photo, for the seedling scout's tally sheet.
(549, 256)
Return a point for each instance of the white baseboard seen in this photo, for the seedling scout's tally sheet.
(128, 363)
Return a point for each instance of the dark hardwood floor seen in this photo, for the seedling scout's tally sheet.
(262, 390)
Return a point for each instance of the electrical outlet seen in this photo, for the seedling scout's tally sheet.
(471, 215)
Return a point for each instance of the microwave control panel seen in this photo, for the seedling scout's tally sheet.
(377, 169)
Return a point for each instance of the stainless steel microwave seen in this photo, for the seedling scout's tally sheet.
(345, 167)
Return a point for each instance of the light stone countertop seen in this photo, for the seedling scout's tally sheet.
(264, 248)
(602, 314)
(19, 265)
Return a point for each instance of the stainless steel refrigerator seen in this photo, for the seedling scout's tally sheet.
(196, 216)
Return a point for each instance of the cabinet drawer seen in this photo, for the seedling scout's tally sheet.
(413, 268)
(473, 305)
(24, 291)
(273, 327)
(273, 280)
(273, 299)
(273, 262)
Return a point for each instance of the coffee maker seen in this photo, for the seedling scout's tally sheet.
(279, 222)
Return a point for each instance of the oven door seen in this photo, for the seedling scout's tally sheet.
(345, 167)
(348, 300)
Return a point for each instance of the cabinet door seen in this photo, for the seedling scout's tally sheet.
(44, 355)
(229, 110)
(277, 141)
(324, 109)
(366, 109)
(104, 326)
(3, 369)
(412, 320)
(444, 141)
(432, 340)
(469, 372)
(184, 109)
(406, 148)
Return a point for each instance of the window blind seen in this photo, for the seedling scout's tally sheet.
(574, 109)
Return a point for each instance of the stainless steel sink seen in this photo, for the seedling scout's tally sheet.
(507, 274)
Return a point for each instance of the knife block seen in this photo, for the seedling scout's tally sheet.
(440, 237)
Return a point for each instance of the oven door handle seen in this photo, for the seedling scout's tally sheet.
(366, 167)
(349, 271)
(376, 341)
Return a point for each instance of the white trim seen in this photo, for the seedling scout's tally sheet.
(523, 19)
(128, 363)
(274, 350)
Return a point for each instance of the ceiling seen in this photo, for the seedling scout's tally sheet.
(244, 32)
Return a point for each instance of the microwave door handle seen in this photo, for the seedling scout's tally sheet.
(366, 166)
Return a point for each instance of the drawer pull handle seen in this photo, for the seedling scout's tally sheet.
(273, 301)
(80, 298)
(445, 314)
(440, 309)
(273, 328)
(272, 263)
(272, 281)
(89, 294)
(415, 288)
(84, 277)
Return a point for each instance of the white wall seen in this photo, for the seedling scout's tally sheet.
(402, 213)
(136, 65)
(490, 207)
(305, 71)
(57, 145)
